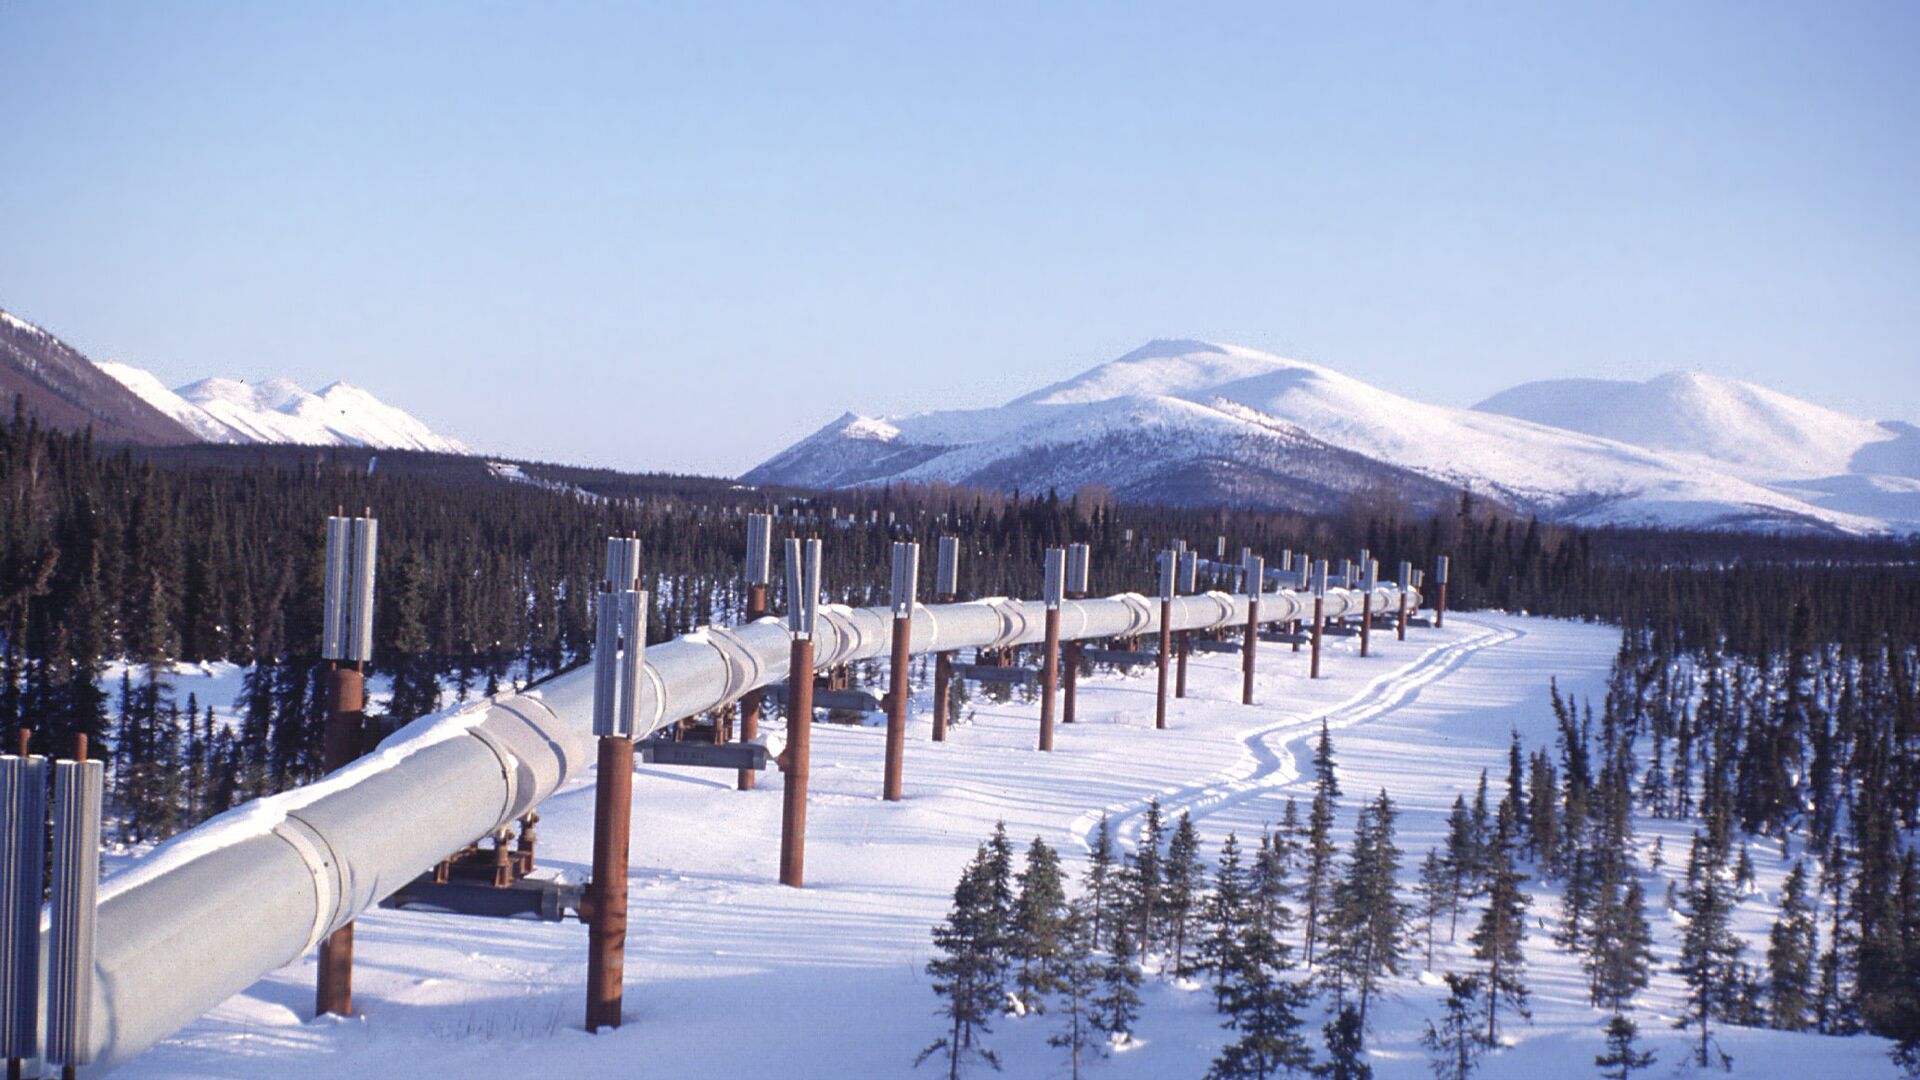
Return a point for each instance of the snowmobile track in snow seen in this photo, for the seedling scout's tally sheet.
(1272, 753)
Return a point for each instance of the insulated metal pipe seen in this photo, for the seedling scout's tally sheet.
(211, 910)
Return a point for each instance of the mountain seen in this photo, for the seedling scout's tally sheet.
(280, 411)
(1828, 458)
(1202, 423)
(65, 390)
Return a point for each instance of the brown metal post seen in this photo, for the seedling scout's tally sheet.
(1319, 624)
(750, 701)
(1069, 680)
(1366, 621)
(1180, 666)
(1440, 613)
(346, 701)
(1049, 677)
(1246, 652)
(607, 892)
(897, 709)
(1294, 632)
(793, 807)
(1166, 650)
(1400, 625)
(943, 681)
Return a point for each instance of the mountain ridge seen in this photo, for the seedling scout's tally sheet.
(1189, 399)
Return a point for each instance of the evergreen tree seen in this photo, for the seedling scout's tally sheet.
(969, 974)
(1619, 958)
(1621, 1060)
(1346, 1042)
(1039, 915)
(1709, 950)
(1263, 1006)
(1182, 893)
(1100, 880)
(1317, 889)
(1436, 892)
(999, 870)
(1455, 1044)
(1497, 942)
(1461, 861)
(1324, 780)
(1225, 910)
(1143, 878)
(1117, 1008)
(1367, 935)
(1078, 982)
(1791, 948)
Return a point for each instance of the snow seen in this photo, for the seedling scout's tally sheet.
(280, 411)
(1202, 401)
(730, 974)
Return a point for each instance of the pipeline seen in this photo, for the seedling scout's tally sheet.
(212, 910)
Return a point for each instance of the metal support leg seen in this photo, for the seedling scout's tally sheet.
(1049, 677)
(793, 807)
(1246, 654)
(607, 893)
(897, 710)
(1163, 662)
(1400, 624)
(750, 702)
(1180, 667)
(346, 700)
(1366, 621)
(1069, 680)
(1319, 626)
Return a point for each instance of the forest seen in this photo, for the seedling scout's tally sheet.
(1767, 685)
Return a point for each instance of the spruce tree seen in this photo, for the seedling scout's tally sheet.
(1791, 949)
(1709, 950)
(968, 974)
(1226, 909)
(1497, 941)
(1367, 933)
(1317, 889)
(1345, 1035)
(1039, 913)
(1076, 986)
(1182, 893)
(1324, 780)
(1621, 1059)
(1455, 1044)
(1619, 957)
(1100, 880)
(1263, 1006)
(1435, 891)
(1117, 1008)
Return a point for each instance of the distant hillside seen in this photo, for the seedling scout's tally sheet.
(1197, 423)
(65, 390)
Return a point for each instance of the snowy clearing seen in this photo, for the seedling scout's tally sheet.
(730, 974)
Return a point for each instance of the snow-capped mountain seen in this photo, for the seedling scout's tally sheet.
(1828, 458)
(63, 389)
(280, 411)
(1204, 423)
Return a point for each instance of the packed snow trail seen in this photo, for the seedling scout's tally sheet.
(1273, 753)
(731, 975)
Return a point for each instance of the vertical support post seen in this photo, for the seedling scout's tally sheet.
(1169, 571)
(946, 585)
(1254, 571)
(803, 606)
(1369, 578)
(1053, 592)
(75, 909)
(346, 640)
(1319, 616)
(619, 659)
(1189, 582)
(759, 571)
(1406, 582)
(1078, 557)
(607, 928)
(906, 573)
(1440, 578)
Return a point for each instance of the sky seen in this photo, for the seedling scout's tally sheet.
(682, 237)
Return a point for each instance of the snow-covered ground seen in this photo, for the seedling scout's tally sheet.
(732, 975)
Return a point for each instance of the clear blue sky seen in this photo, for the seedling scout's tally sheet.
(682, 237)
